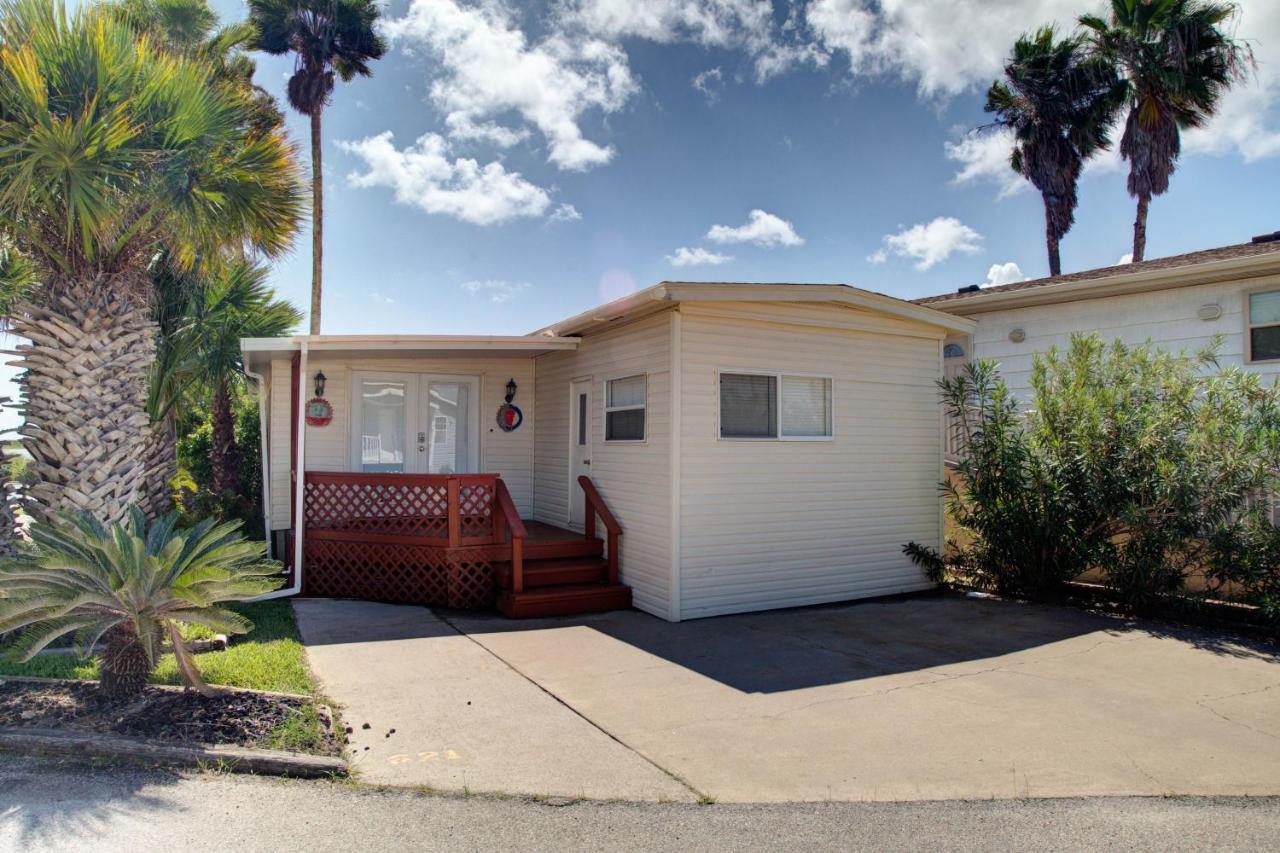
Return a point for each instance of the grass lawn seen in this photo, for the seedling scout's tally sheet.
(270, 657)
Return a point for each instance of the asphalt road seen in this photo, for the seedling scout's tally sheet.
(71, 808)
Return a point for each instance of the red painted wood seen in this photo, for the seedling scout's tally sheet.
(595, 505)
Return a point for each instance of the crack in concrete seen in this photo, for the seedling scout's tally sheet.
(675, 777)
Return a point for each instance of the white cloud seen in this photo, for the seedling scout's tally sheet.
(385, 300)
(709, 83)
(498, 291)
(930, 243)
(761, 228)
(984, 157)
(1248, 118)
(746, 25)
(1126, 258)
(1007, 273)
(490, 69)
(565, 213)
(686, 257)
(424, 175)
(948, 47)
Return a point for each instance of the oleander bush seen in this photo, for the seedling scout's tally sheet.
(1144, 466)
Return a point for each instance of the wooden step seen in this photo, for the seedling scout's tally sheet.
(563, 548)
(564, 600)
(555, 571)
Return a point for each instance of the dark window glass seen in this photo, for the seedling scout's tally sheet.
(748, 406)
(626, 425)
(1264, 343)
(582, 420)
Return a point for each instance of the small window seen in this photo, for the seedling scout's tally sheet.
(953, 351)
(582, 420)
(754, 405)
(624, 409)
(1264, 326)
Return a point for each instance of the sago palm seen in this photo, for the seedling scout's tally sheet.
(1058, 102)
(131, 584)
(1177, 60)
(328, 39)
(112, 149)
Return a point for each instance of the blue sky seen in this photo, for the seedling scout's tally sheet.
(570, 149)
(852, 139)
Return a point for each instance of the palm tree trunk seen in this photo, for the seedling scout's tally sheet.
(317, 223)
(224, 457)
(1051, 240)
(8, 517)
(92, 344)
(125, 665)
(1140, 228)
(162, 465)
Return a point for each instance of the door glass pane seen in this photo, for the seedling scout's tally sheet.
(382, 419)
(449, 419)
(806, 406)
(582, 420)
(748, 406)
(1264, 308)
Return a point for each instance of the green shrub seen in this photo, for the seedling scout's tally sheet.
(130, 585)
(1134, 461)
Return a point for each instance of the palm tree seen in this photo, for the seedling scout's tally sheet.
(1058, 103)
(237, 303)
(327, 38)
(1177, 62)
(111, 149)
(130, 583)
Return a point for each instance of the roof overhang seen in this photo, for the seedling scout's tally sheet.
(1209, 272)
(260, 350)
(664, 295)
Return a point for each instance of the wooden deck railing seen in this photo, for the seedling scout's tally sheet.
(509, 519)
(443, 510)
(594, 505)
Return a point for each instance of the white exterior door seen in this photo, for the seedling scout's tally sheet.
(414, 423)
(579, 445)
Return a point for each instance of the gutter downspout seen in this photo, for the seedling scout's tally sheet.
(300, 455)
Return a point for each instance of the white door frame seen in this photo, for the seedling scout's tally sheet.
(578, 387)
(415, 400)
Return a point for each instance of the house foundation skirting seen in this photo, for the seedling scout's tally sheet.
(461, 578)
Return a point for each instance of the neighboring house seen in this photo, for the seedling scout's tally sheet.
(740, 446)
(1178, 303)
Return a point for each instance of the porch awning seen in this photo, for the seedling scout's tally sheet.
(258, 351)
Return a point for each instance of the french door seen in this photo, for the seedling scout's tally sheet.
(415, 423)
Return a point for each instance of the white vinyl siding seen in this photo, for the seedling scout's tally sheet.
(328, 448)
(1168, 318)
(279, 439)
(768, 524)
(633, 477)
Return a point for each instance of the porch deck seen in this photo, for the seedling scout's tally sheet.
(455, 541)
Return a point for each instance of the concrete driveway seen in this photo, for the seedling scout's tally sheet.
(924, 698)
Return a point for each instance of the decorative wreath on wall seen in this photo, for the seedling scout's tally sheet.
(319, 412)
(509, 417)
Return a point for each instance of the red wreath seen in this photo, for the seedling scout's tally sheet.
(319, 419)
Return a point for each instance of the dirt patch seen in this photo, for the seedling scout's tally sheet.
(240, 717)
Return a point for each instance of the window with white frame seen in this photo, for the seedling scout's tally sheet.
(624, 405)
(775, 406)
(1263, 317)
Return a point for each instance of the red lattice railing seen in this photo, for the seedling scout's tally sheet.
(422, 509)
(418, 538)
